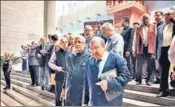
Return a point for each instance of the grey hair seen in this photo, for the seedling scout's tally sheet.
(88, 27)
(108, 26)
(98, 39)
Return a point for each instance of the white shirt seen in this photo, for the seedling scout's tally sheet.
(102, 63)
(145, 35)
(167, 34)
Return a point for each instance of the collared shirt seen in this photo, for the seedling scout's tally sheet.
(171, 52)
(167, 34)
(145, 35)
(52, 61)
(102, 63)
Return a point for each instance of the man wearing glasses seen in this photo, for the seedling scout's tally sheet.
(106, 75)
(75, 64)
(88, 34)
(115, 41)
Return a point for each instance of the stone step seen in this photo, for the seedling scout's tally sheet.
(21, 74)
(24, 100)
(27, 80)
(130, 102)
(33, 95)
(154, 88)
(8, 101)
(2, 104)
(131, 85)
(149, 98)
(35, 89)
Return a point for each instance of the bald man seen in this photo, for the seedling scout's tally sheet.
(58, 64)
(75, 65)
(106, 75)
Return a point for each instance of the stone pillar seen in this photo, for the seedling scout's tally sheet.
(50, 22)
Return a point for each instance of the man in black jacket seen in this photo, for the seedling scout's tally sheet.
(128, 34)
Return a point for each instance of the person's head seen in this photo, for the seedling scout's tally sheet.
(97, 47)
(67, 36)
(42, 40)
(145, 19)
(71, 39)
(79, 43)
(107, 29)
(22, 46)
(168, 15)
(53, 39)
(6, 55)
(88, 31)
(57, 47)
(158, 15)
(63, 43)
(49, 36)
(125, 21)
(136, 25)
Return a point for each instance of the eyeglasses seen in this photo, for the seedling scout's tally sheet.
(94, 48)
(79, 42)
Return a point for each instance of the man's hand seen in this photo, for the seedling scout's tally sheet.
(127, 54)
(173, 75)
(103, 84)
(60, 69)
(153, 56)
(63, 94)
(134, 54)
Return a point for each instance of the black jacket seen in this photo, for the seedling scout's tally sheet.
(127, 34)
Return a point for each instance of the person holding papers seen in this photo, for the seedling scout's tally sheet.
(105, 77)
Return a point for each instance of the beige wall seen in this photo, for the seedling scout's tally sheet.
(21, 22)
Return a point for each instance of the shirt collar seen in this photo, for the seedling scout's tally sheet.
(104, 56)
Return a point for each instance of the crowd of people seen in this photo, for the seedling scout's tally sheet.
(93, 68)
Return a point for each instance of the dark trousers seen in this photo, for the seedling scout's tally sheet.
(34, 74)
(165, 65)
(130, 64)
(7, 78)
(133, 66)
(58, 89)
(141, 58)
(24, 64)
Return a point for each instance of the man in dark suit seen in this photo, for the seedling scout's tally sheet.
(108, 91)
(164, 43)
(128, 34)
(75, 65)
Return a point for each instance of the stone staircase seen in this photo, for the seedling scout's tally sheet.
(22, 94)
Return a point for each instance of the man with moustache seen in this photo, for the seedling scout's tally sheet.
(75, 65)
(109, 64)
(88, 34)
(58, 64)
